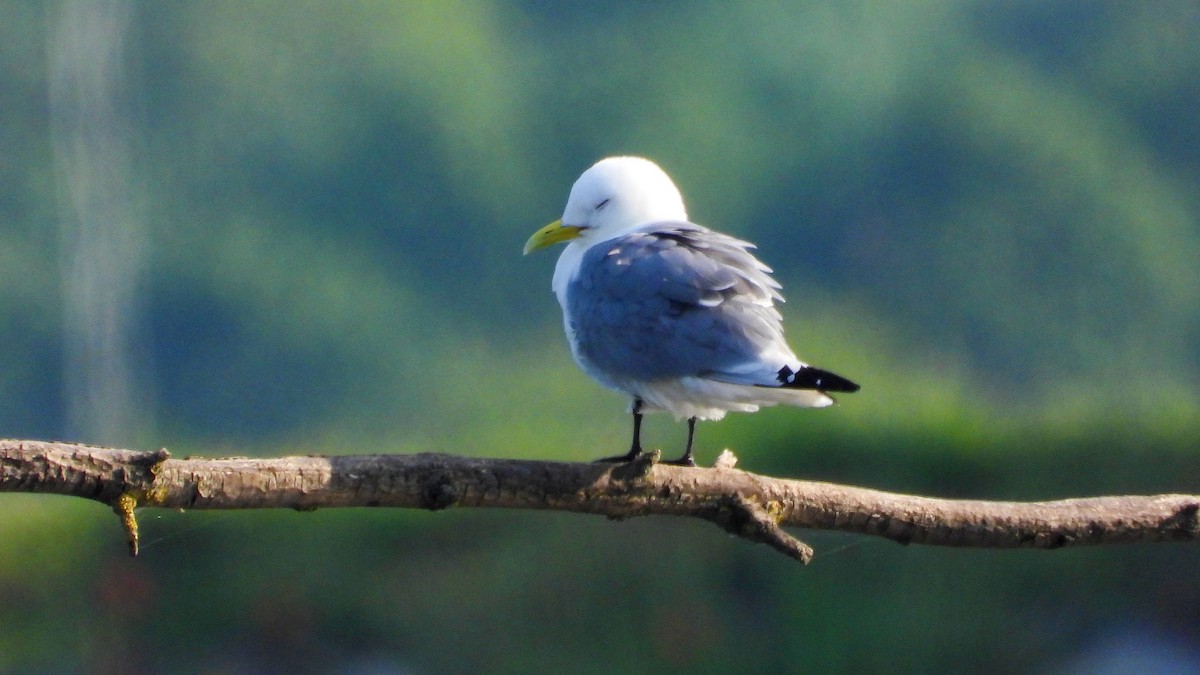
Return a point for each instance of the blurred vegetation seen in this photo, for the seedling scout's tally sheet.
(985, 212)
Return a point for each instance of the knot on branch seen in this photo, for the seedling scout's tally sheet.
(440, 494)
(137, 471)
(751, 520)
(152, 460)
(637, 468)
(1184, 524)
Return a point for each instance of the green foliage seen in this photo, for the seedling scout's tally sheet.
(984, 212)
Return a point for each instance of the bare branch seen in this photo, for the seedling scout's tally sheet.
(748, 505)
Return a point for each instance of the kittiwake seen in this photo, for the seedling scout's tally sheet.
(679, 317)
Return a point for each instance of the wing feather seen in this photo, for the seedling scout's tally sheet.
(676, 300)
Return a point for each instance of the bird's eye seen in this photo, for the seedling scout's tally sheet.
(602, 205)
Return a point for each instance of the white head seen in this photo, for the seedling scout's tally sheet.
(614, 196)
(620, 193)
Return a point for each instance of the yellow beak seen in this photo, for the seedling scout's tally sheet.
(551, 234)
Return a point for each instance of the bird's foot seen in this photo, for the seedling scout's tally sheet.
(686, 460)
(633, 466)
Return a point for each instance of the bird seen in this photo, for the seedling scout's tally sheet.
(678, 317)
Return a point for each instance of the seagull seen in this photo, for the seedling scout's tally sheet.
(677, 316)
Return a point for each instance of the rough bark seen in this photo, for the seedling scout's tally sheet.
(751, 506)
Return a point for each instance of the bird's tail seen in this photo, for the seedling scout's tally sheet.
(808, 377)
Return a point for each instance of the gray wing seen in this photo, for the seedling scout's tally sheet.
(675, 300)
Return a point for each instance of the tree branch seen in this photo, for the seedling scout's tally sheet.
(751, 506)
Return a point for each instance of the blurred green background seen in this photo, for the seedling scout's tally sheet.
(285, 227)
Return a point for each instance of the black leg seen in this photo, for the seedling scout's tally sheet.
(687, 460)
(635, 448)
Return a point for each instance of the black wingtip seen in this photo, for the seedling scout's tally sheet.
(815, 378)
